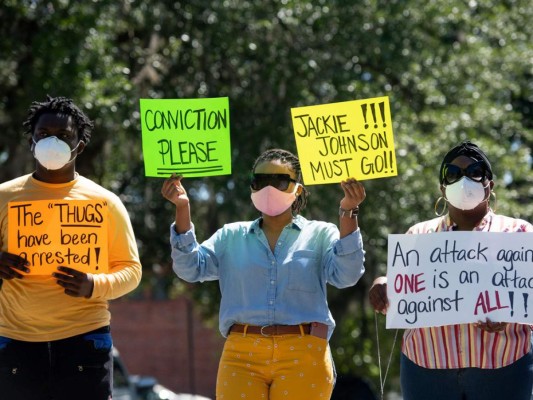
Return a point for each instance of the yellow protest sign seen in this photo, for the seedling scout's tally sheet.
(342, 140)
(189, 137)
(52, 233)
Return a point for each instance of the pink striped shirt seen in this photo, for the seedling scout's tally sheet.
(464, 345)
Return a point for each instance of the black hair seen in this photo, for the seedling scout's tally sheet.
(59, 105)
(286, 157)
(468, 149)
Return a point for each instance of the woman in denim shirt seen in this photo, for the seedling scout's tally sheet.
(272, 274)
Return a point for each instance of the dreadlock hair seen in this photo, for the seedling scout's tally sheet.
(286, 157)
(59, 105)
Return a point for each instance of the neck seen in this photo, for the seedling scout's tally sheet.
(63, 175)
(278, 222)
(468, 220)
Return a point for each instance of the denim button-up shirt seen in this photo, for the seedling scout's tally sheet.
(261, 287)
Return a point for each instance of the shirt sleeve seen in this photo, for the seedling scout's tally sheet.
(191, 261)
(345, 261)
(525, 226)
(124, 265)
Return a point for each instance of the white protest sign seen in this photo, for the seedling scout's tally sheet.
(449, 278)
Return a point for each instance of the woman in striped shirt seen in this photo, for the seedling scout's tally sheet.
(486, 360)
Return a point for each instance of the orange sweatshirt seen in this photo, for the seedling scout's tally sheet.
(35, 308)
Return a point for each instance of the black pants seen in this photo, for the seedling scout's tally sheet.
(80, 367)
(513, 382)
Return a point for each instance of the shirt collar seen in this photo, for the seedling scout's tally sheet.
(297, 222)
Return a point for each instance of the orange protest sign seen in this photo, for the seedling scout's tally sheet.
(52, 233)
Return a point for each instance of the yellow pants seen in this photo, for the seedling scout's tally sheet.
(288, 367)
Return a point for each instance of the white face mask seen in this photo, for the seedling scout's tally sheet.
(52, 153)
(271, 201)
(465, 194)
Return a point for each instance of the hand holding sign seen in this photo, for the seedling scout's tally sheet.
(490, 326)
(354, 194)
(174, 191)
(76, 283)
(10, 264)
(378, 295)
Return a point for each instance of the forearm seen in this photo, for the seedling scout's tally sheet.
(116, 284)
(348, 222)
(345, 264)
(183, 219)
(189, 261)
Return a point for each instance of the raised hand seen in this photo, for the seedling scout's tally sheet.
(174, 191)
(354, 193)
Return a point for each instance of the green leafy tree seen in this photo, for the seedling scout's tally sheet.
(452, 70)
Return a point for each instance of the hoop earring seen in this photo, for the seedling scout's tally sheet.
(494, 195)
(441, 213)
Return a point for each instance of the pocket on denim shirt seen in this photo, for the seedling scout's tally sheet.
(304, 271)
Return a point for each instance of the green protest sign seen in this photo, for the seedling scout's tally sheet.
(189, 137)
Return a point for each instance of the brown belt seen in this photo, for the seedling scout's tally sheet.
(314, 328)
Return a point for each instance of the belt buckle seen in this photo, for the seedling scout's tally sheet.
(262, 333)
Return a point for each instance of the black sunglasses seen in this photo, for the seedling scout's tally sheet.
(279, 181)
(476, 172)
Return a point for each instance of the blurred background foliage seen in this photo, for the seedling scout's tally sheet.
(453, 70)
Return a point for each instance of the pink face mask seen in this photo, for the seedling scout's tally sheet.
(271, 201)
